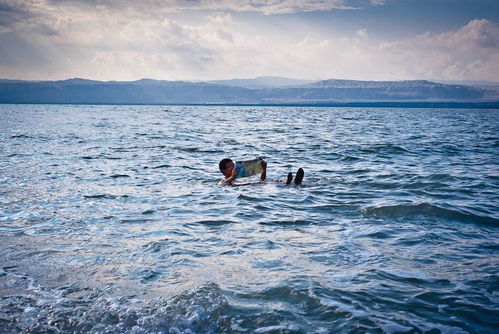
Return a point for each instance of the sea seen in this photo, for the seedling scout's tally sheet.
(112, 220)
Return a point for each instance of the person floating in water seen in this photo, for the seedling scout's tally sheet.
(239, 169)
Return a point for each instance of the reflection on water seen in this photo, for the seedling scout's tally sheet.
(112, 220)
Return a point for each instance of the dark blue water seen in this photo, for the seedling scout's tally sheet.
(112, 220)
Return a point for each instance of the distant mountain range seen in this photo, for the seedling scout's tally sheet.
(262, 82)
(473, 83)
(262, 90)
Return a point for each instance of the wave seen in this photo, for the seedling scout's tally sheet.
(248, 197)
(195, 149)
(402, 274)
(162, 166)
(383, 148)
(288, 222)
(214, 222)
(115, 176)
(430, 210)
(349, 158)
(21, 136)
(77, 309)
(104, 196)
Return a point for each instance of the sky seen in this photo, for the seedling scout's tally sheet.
(210, 40)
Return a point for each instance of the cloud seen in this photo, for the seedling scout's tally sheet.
(261, 6)
(470, 52)
(362, 33)
(12, 12)
(114, 40)
(15, 11)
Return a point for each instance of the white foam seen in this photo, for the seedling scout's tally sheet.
(442, 307)
(391, 327)
(343, 307)
(276, 328)
(343, 279)
(427, 326)
(236, 327)
(29, 309)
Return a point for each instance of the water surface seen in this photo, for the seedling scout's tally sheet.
(112, 220)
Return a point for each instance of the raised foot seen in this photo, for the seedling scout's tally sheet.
(299, 176)
(290, 178)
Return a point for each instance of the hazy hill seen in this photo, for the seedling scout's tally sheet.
(468, 82)
(141, 92)
(491, 85)
(261, 82)
(147, 91)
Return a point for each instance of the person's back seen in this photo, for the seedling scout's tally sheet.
(240, 169)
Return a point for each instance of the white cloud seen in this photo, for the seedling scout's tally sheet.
(362, 33)
(17, 10)
(261, 6)
(470, 52)
(116, 40)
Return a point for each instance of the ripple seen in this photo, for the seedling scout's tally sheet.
(21, 136)
(214, 222)
(162, 166)
(135, 220)
(116, 176)
(159, 245)
(104, 196)
(431, 210)
(287, 222)
(398, 274)
(383, 148)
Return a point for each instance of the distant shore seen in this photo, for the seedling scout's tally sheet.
(412, 105)
(327, 93)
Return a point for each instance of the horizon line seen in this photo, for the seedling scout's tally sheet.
(374, 104)
(257, 77)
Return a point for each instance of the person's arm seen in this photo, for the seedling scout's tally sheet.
(264, 173)
(231, 178)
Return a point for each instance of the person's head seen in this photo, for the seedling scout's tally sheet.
(226, 166)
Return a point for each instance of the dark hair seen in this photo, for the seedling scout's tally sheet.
(223, 163)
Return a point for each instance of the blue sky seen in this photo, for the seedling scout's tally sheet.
(205, 39)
